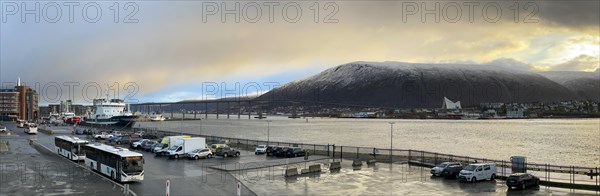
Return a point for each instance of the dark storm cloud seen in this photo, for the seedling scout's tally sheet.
(575, 14)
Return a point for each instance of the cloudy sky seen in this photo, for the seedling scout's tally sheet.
(175, 50)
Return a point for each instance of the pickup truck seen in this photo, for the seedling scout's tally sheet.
(103, 135)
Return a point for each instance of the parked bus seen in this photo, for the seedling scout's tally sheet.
(117, 163)
(70, 147)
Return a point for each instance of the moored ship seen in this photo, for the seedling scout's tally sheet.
(110, 112)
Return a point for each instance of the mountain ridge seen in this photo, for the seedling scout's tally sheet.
(400, 84)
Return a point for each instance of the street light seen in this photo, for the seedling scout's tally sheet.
(268, 131)
(391, 139)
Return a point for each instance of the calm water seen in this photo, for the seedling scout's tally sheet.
(552, 141)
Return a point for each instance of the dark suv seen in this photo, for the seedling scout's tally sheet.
(295, 152)
(452, 171)
(270, 151)
(125, 139)
(281, 151)
(522, 180)
(226, 151)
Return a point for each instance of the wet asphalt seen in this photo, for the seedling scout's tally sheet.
(31, 170)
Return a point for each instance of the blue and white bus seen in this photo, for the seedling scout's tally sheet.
(117, 163)
(70, 147)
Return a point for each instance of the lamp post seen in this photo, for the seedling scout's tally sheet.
(268, 131)
(391, 139)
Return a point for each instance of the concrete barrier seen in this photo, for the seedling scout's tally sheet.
(3, 146)
(335, 165)
(314, 168)
(291, 172)
(304, 171)
(357, 163)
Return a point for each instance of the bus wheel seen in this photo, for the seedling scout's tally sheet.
(112, 174)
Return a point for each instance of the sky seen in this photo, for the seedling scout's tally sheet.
(159, 51)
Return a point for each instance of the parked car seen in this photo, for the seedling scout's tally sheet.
(280, 151)
(117, 133)
(149, 136)
(3, 129)
(139, 134)
(158, 147)
(478, 171)
(149, 145)
(260, 149)
(226, 151)
(452, 171)
(124, 139)
(214, 147)
(270, 151)
(295, 152)
(522, 180)
(138, 143)
(437, 170)
(79, 131)
(112, 139)
(103, 135)
(200, 153)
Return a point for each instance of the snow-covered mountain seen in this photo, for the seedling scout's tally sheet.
(398, 84)
(584, 84)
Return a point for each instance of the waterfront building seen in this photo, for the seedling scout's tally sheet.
(20, 102)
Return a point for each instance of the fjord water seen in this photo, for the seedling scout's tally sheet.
(549, 141)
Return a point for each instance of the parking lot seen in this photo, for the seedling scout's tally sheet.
(193, 177)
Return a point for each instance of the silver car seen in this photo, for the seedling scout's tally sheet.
(200, 153)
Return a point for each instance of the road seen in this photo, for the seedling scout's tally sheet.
(31, 170)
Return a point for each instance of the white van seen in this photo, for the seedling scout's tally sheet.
(184, 145)
(478, 171)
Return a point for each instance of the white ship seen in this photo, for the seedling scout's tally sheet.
(110, 112)
(156, 117)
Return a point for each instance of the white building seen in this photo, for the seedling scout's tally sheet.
(449, 105)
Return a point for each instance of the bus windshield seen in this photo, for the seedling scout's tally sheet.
(133, 165)
(77, 149)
